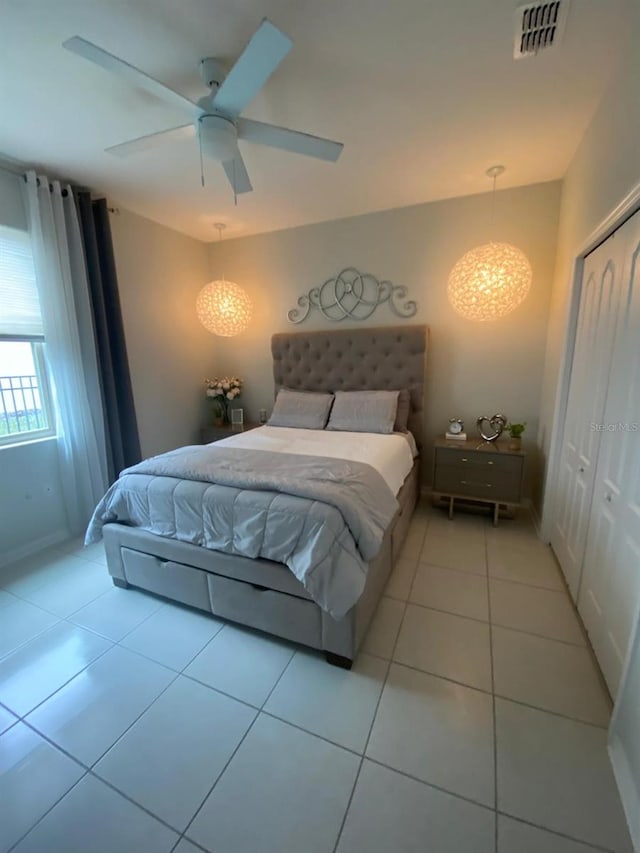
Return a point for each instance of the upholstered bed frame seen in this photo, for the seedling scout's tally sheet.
(260, 593)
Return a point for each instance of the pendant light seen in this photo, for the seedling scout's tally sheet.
(222, 306)
(490, 281)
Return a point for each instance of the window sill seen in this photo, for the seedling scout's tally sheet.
(40, 440)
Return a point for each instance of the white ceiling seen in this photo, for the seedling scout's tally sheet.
(424, 94)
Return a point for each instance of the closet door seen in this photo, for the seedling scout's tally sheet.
(610, 589)
(585, 407)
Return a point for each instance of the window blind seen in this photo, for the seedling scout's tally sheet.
(20, 317)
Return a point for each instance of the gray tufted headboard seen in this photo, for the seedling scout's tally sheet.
(365, 359)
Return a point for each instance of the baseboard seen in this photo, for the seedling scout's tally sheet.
(33, 547)
(537, 521)
(629, 793)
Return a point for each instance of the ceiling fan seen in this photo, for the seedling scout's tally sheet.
(215, 118)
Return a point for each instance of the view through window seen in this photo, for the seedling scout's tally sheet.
(25, 408)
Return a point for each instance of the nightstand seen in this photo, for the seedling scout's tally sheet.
(212, 433)
(478, 470)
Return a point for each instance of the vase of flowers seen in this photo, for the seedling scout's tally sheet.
(222, 391)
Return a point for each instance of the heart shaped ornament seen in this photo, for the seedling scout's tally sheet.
(491, 428)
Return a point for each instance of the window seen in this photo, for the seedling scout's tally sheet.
(25, 400)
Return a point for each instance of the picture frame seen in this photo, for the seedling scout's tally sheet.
(237, 417)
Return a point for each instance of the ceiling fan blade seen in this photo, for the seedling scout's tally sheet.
(237, 174)
(266, 49)
(289, 140)
(95, 54)
(152, 140)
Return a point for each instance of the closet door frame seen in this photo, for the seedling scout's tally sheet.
(627, 207)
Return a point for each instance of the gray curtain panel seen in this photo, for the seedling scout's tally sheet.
(123, 442)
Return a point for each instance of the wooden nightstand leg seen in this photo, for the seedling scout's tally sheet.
(450, 508)
(496, 513)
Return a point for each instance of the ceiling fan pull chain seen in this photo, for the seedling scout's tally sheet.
(201, 160)
(235, 193)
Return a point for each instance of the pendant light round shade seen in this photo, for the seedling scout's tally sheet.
(489, 282)
(223, 308)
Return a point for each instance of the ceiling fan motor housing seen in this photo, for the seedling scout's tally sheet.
(218, 137)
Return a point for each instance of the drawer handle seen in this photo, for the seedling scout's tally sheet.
(467, 483)
(464, 459)
(489, 463)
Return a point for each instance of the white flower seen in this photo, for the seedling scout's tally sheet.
(225, 384)
(211, 392)
(229, 395)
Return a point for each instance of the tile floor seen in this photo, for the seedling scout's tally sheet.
(474, 718)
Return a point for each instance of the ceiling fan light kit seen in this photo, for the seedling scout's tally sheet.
(215, 118)
(492, 280)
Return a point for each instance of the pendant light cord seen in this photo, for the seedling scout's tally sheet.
(492, 219)
(220, 226)
(494, 173)
(201, 160)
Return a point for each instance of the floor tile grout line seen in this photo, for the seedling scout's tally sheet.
(50, 580)
(364, 751)
(433, 785)
(588, 844)
(56, 746)
(48, 811)
(324, 738)
(23, 717)
(91, 769)
(493, 705)
(154, 660)
(498, 695)
(486, 621)
(241, 741)
(133, 802)
(176, 675)
(373, 718)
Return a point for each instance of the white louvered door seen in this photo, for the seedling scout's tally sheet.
(585, 407)
(610, 587)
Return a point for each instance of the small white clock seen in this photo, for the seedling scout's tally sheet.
(456, 426)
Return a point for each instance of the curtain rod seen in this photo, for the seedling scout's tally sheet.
(65, 193)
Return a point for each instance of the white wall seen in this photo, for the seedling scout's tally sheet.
(473, 368)
(31, 510)
(604, 169)
(159, 275)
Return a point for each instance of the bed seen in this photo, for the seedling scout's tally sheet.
(264, 593)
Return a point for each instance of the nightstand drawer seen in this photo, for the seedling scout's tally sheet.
(493, 463)
(479, 481)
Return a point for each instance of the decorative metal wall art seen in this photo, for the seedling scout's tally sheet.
(353, 295)
(496, 423)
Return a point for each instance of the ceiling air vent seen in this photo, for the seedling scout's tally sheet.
(539, 26)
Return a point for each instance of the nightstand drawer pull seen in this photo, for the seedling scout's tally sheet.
(467, 483)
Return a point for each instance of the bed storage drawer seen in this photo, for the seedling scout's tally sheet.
(173, 580)
(265, 609)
